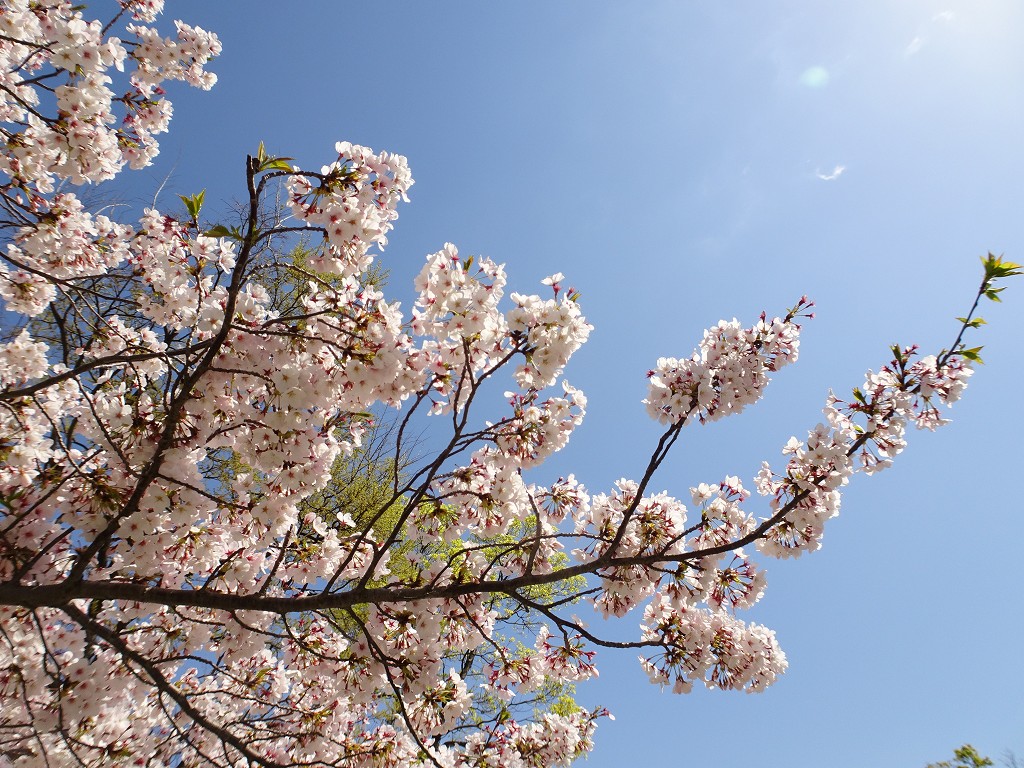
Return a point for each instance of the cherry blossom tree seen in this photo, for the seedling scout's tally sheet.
(175, 393)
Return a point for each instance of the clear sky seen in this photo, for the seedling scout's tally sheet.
(683, 162)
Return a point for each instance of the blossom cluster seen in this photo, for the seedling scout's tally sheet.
(68, 243)
(728, 372)
(353, 201)
(458, 306)
(84, 138)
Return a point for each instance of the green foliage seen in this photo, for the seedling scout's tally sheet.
(995, 268)
(362, 489)
(965, 757)
(232, 233)
(193, 204)
(265, 162)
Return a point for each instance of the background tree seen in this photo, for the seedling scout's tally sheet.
(965, 757)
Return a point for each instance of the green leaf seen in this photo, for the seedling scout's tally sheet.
(193, 204)
(972, 355)
(993, 293)
(975, 323)
(996, 267)
(276, 164)
(265, 162)
(221, 231)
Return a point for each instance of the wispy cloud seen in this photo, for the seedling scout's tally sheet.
(835, 174)
(915, 45)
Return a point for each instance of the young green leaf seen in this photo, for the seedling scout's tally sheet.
(993, 293)
(221, 231)
(977, 322)
(996, 267)
(972, 355)
(275, 164)
(193, 204)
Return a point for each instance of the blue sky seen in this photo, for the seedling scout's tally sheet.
(683, 162)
